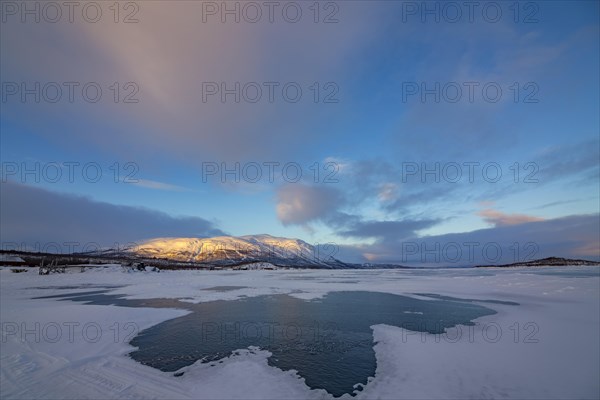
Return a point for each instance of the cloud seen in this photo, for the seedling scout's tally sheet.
(575, 236)
(32, 215)
(498, 218)
(388, 192)
(299, 204)
(567, 160)
(562, 202)
(172, 118)
(341, 165)
(387, 229)
(149, 184)
(414, 196)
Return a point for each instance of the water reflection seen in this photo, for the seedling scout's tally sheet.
(329, 341)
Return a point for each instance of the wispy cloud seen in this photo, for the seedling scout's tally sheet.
(149, 184)
(388, 192)
(498, 218)
(385, 229)
(299, 204)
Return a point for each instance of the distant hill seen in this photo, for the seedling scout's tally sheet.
(544, 262)
(229, 251)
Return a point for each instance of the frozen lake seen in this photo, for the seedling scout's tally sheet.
(329, 341)
(517, 333)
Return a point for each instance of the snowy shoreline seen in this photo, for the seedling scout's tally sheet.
(559, 360)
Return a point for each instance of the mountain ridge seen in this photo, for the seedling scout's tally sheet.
(230, 250)
(544, 262)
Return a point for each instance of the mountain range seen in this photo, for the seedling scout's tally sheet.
(246, 252)
(232, 250)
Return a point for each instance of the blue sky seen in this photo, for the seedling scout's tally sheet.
(373, 133)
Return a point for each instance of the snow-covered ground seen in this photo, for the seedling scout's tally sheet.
(545, 348)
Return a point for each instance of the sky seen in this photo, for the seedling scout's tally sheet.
(425, 133)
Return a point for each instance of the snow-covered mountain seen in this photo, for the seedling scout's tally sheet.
(224, 250)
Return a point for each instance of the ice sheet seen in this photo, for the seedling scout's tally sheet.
(548, 348)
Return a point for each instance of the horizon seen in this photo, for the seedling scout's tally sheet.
(316, 251)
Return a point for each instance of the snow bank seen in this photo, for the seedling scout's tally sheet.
(548, 346)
